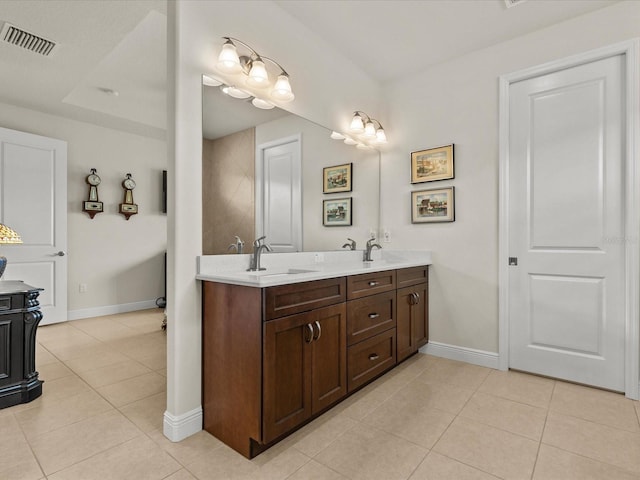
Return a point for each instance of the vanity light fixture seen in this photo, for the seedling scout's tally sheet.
(364, 132)
(363, 124)
(254, 70)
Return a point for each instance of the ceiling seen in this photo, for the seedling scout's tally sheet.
(121, 46)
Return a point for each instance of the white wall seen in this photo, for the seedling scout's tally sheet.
(122, 262)
(457, 102)
(319, 151)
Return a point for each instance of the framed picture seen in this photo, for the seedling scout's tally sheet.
(336, 212)
(337, 178)
(432, 164)
(429, 206)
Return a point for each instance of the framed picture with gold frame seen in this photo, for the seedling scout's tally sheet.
(337, 178)
(432, 164)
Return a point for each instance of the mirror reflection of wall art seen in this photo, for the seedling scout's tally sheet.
(432, 164)
(336, 212)
(337, 178)
(429, 206)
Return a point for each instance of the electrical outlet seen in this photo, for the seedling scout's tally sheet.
(386, 237)
(82, 288)
(318, 257)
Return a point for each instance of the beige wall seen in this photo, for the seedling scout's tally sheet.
(122, 262)
(228, 177)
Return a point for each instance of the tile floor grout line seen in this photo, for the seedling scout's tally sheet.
(544, 427)
(35, 457)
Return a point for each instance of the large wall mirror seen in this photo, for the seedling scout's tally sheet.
(263, 174)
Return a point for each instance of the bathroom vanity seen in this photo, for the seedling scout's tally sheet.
(282, 346)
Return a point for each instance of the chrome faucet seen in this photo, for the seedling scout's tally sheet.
(351, 244)
(367, 252)
(238, 246)
(258, 247)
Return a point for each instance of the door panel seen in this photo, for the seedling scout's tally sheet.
(566, 211)
(279, 197)
(329, 363)
(287, 382)
(33, 201)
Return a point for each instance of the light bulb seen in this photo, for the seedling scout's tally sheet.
(337, 136)
(282, 89)
(263, 104)
(356, 124)
(369, 130)
(258, 76)
(350, 141)
(381, 137)
(234, 92)
(228, 61)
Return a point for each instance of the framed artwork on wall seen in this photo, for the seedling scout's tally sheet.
(432, 164)
(337, 178)
(431, 206)
(336, 212)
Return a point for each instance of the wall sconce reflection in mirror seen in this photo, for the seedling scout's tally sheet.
(93, 205)
(248, 76)
(365, 132)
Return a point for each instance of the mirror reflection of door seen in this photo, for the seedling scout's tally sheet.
(279, 194)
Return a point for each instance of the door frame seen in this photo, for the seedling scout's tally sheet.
(259, 194)
(631, 50)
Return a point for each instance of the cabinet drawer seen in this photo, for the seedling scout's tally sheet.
(369, 316)
(412, 276)
(370, 358)
(359, 286)
(301, 297)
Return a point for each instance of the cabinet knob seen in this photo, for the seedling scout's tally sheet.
(374, 315)
(374, 356)
(373, 283)
(417, 298)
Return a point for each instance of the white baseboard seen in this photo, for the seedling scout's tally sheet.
(462, 354)
(110, 309)
(179, 427)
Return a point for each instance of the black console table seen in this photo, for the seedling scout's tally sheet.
(19, 318)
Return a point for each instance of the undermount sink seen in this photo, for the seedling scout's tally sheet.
(291, 271)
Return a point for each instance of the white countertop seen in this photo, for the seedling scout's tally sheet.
(287, 268)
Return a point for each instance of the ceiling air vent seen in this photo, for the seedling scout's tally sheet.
(513, 3)
(21, 38)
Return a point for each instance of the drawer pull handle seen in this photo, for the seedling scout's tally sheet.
(373, 283)
(319, 331)
(310, 339)
(374, 315)
(374, 356)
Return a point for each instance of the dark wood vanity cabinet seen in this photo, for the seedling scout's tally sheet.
(304, 367)
(412, 311)
(275, 357)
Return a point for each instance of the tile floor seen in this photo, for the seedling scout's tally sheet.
(100, 417)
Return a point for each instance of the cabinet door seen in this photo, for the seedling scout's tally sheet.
(420, 316)
(11, 349)
(287, 374)
(412, 319)
(404, 336)
(329, 356)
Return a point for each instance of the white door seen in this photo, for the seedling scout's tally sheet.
(33, 201)
(279, 194)
(566, 224)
